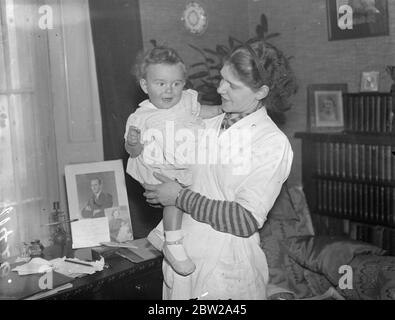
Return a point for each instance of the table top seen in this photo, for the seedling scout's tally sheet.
(13, 286)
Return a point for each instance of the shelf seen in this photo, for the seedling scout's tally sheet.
(341, 216)
(348, 137)
(378, 183)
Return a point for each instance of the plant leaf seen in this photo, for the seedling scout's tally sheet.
(272, 35)
(215, 78)
(198, 50)
(210, 51)
(222, 50)
(259, 32)
(216, 68)
(235, 42)
(231, 42)
(209, 60)
(153, 42)
(264, 24)
(198, 64)
(198, 75)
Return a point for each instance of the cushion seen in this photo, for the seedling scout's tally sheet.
(325, 254)
(373, 278)
(294, 221)
(287, 204)
(317, 282)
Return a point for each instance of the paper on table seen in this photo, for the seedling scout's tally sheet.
(36, 265)
(75, 270)
(90, 232)
(126, 244)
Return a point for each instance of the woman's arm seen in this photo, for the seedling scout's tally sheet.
(207, 112)
(224, 216)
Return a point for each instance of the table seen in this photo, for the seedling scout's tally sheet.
(121, 280)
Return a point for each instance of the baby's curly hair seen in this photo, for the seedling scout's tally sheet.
(260, 63)
(156, 55)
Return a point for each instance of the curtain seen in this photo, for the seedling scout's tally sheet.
(28, 175)
(117, 38)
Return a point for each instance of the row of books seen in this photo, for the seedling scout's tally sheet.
(382, 237)
(369, 113)
(356, 201)
(355, 161)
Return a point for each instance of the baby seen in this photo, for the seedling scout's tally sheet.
(161, 74)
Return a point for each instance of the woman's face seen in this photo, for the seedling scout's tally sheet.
(236, 96)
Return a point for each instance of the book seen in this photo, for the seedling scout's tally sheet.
(143, 251)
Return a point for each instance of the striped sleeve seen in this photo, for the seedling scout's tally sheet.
(224, 216)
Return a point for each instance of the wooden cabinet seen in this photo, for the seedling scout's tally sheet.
(349, 177)
(123, 280)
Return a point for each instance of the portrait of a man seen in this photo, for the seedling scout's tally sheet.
(97, 191)
(98, 201)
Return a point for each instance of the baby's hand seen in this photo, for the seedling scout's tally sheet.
(134, 135)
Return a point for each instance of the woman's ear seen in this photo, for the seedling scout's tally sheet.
(262, 92)
(143, 85)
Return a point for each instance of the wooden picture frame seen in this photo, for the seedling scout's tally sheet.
(98, 203)
(350, 19)
(325, 107)
(370, 81)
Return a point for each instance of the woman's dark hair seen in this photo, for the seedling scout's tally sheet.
(259, 63)
(156, 55)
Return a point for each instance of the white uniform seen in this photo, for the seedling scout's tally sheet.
(160, 150)
(227, 266)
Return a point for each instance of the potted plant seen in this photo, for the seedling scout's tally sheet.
(205, 74)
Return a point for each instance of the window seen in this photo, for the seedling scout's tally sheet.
(28, 166)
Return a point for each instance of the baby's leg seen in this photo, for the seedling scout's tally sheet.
(172, 218)
(173, 249)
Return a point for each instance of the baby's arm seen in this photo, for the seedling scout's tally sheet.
(132, 143)
(207, 112)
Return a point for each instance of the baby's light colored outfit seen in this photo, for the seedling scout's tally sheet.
(162, 131)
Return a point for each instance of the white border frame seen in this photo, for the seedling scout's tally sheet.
(71, 172)
(374, 76)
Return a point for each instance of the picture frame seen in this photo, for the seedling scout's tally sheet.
(98, 203)
(370, 81)
(351, 19)
(325, 107)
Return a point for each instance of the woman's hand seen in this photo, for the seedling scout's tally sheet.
(165, 193)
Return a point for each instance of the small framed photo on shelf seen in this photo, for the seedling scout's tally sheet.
(350, 19)
(325, 107)
(370, 81)
(98, 203)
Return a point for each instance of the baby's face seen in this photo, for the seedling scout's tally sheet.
(164, 84)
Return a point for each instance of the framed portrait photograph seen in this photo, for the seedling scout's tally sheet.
(325, 107)
(98, 203)
(370, 81)
(349, 19)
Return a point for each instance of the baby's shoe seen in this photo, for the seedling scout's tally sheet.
(183, 267)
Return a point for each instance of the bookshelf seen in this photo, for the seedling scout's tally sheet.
(349, 177)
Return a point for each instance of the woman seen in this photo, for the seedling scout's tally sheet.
(228, 203)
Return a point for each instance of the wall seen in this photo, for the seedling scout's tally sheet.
(161, 20)
(303, 28)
